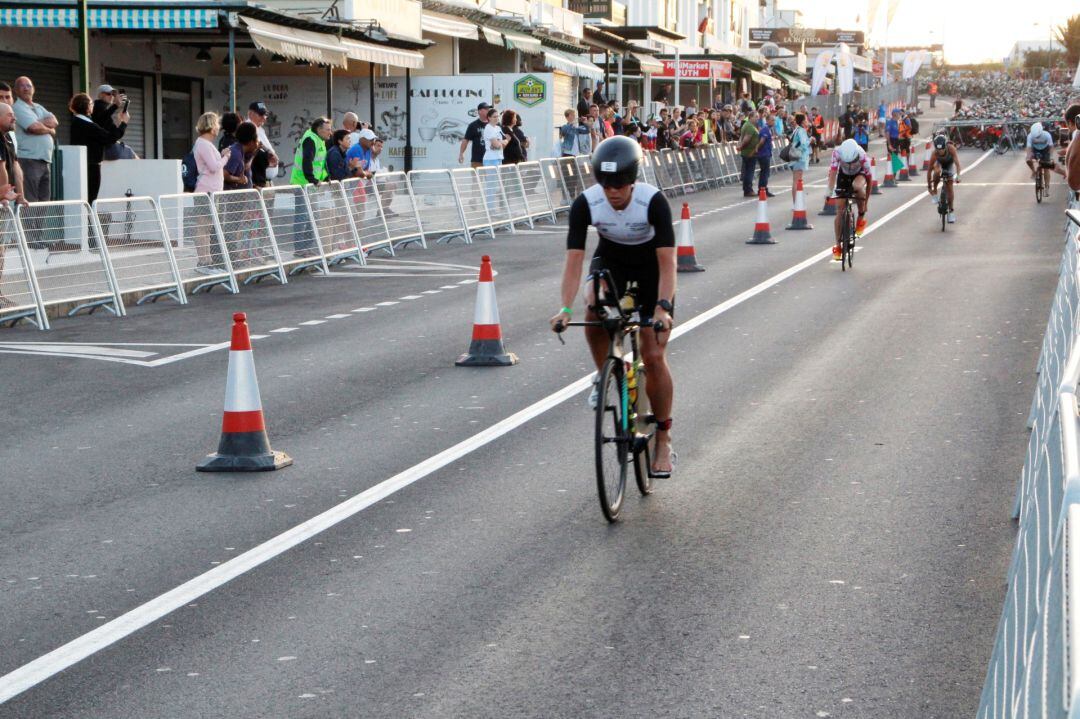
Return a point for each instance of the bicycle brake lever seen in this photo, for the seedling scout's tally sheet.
(559, 328)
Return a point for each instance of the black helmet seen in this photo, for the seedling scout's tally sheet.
(615, 161)
(940, 142)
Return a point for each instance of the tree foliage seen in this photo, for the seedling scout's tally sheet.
(1043, 58)
(1069, 37)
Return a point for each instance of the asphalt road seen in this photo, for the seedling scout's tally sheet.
(833, 542)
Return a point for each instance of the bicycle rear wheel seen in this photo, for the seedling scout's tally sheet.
(845, 233)
(612, 440)
(1038, 186)
(642, 453)
(850, 254)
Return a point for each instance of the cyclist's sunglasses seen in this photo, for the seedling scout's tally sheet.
(613, 184)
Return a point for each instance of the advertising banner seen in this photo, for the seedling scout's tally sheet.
(442, 108)
(531, 95)
(697, 70)
(795, 36)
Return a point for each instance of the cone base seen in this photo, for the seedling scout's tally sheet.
(889, 183)
(828, 212)
(763, 238)
(876, 190)
(800, 224)
(233, 463)
(689, 268)
(913, 172)
(501, 360)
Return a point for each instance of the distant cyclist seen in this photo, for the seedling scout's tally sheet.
(1040, 148)
(944, 166)
(849, 176)
(637, 244)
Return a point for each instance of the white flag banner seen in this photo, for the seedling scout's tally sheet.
(871, 13)
(912, 62)
(890, 11)
(845, 71)
(821, 69)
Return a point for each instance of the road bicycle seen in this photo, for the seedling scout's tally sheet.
(943, 201)
(624, 425)
(847, 227)
(1041, 171)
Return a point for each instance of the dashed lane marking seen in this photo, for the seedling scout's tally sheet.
(386, 304)
(363, 309)
(410, 297)
(312, 323)
(284, 330)
(337, 316)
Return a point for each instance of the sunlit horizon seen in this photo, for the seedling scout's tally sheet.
(972, 31)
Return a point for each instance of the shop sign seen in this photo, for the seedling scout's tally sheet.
(530, 90)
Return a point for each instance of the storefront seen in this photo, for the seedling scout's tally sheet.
(700, 79)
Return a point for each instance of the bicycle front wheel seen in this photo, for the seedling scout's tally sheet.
(1038, 189)
(845, 234)
(613, 436)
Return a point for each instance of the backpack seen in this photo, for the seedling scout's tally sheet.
(914, 125)
(189, 172)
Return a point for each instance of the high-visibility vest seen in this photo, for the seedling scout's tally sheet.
(318, 164)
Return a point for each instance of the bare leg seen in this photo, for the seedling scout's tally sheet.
(660, 389)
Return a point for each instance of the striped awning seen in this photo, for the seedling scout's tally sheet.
(110, 18)
(763, 79)
(572, 64)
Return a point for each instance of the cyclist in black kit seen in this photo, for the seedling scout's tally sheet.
(637, 244)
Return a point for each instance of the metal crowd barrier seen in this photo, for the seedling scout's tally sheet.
(537, 198)
(494, 198)
(69, 259)
(474, 206)
(398, 208)
(294, 229)
(139, 247)
(19, 297)
(555, 186)
(198, 245)
(334, 224)
(514, 194)
(439, 205)
(179, 245)
(247, 235)
(1033, 669)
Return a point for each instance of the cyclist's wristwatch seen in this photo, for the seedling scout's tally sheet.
(665, 306)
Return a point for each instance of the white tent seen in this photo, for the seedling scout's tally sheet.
(1076, 77)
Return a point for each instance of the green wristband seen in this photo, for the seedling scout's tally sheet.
(566, 311)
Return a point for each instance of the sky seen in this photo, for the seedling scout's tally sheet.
(974, 30)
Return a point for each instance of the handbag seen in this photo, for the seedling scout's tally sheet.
(794, 152)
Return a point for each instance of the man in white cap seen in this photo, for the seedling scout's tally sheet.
(362, 151)
(109, 114)
(352, 123)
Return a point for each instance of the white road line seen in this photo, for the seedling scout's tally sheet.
(337, 317)
(448, 287)
(431, 292)
(386, 304)
(312, 323)
(363, 309)
(56, 661)
(468, 282)
(284, 330)
(411, 297)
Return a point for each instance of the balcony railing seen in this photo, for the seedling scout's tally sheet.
(607, 11)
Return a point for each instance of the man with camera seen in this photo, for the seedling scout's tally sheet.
(110, 113)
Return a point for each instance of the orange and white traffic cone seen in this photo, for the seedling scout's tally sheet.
(486, 348)
(902, 173)
(874, 189)
(912, 166)
(926, 157)
(890, 178)
(244, 446)
(798, 211)
(830, 207)
(762, 235)
(684, 244)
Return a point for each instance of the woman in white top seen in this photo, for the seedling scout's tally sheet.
(494, 140)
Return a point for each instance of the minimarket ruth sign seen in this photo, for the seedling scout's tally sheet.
(697, 69)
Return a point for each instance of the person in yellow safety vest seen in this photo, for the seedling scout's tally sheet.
(309, 168)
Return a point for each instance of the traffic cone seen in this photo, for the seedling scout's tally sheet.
(890, 179)
(913, 169)
(830, 207)
(762, 236)
(926, 157)
(687, 260)
(244, 446)
(798, 212)
(874, 189)
(486, 348)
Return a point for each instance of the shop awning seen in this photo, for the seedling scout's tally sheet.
(791, 79)
(572, 64)
(440, 24)
(648, 63)
(315, 47)
(763, 79)
(111, 18)
(517, 41)
(382, 55)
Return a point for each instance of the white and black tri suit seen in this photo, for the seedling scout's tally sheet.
(947, 164)
(629, 237)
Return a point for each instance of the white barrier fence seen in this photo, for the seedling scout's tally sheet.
(1033, 669)
(67, 253)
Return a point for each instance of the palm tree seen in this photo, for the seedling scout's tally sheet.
(1069, 37)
